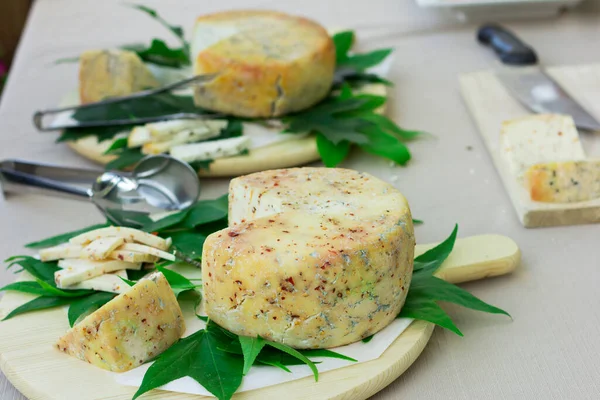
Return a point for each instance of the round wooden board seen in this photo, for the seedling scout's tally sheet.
(41, 372)
(285, 154)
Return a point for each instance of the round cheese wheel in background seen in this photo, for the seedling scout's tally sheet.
(313, 257)
(268, 63)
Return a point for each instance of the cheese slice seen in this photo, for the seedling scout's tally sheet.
(538, 139)
(148, 250)
(139, 136)
(313, 257)
(211, 150)
(268, 63)
(104, 283)
(77, 270)
(65, 250)
(99, 249)
(112, 73)
(130, 329)
(564, 182)
(132, 256)
(166, 129)
(182, 137)
(129, 234)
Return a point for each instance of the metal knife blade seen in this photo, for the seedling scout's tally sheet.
(527, 82)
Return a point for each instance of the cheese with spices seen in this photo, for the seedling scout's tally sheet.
(538, 139)
(267, 63)
(313, 257)
(130, 329)
(112, 73)
(564, 182)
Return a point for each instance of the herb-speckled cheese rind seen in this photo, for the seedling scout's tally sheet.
(564, 182)
(268, 63)
(130, 329)
(313, 257)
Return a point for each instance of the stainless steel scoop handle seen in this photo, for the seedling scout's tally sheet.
(24, 177)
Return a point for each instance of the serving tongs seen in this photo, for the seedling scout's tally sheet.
(156, 184)
(38, 116)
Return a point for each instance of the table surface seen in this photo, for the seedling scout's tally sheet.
(550, 348)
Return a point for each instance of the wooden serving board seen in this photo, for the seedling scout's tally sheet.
(490, 104)
(36, 368)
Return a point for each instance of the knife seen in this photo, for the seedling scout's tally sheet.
(526, 80)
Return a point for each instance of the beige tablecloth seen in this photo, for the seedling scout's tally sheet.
(549, 351)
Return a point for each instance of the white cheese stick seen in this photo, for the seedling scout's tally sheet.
(183, 137)
(147, 250)
(65, 250)
(138, 137)
(166, 129)
(99, 249)
(105, 283)
(538, 139)
(129, 234)
(133, 256)
(211, 150)
(77, 270)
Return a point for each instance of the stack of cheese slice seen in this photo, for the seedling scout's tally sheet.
(313, 257)
(98, 259)
(129, 330)
(187, 139)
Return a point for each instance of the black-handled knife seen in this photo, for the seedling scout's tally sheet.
(527, 81)
(507, 45)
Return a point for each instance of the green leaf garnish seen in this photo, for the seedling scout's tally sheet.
(125, 158)
(166, 222)
(39, 303)
(296, 354)
(417, 222)
(368, 339)
(251, 347)
(118, 144)
(44, 271)
(62, 238)
(30, 287)
(87, 305)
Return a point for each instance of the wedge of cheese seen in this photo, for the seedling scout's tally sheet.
(130, 329)
(313, 257)
(105, 283)
(77, 270)
(268, 63)
(112, 73)
(65, 250)
(564, 182)
(210, 150)
(129, 234)
(537, 139)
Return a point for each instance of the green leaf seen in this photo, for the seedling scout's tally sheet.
(125, 158)
(166, 222)
(192, 296)
(118, 144)
(332, 154)
(426, 309)
(160, 53)
(127, 281)
(136, 275)
(327, 353)
(385, 145)
(198, 356)
(30, 287)
(62, 238)
(417, 222)
(357, 78)
(296, 354)
(189, 243)
(43, 271)
(432, 259)
(132, 219)
(360, 62)
(386, 124)
(206, 211)
(368, 339)
(176, 281)
(201, 165)
(87, 304)
(39, 303)
(54, 291)
(66, 60)
(176, 30)
(251, 347)
(101, 133)
(343, 42)
(274, 364)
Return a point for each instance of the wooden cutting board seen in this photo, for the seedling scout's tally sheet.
(37, 369)
(490, 103)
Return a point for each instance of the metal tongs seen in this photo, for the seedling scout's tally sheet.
(38, 117)
(156, 184)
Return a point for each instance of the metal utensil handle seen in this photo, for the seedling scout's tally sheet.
(507, 45)
(38, 116)
(15, 181)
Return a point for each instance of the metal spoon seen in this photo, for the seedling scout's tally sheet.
(157, 183)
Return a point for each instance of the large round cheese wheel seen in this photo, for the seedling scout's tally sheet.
(313, 257)
(268, 63)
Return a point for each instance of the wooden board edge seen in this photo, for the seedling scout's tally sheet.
(531, 214)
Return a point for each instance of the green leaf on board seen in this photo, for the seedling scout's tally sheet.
(296, 354)
(360, 62)
(39, 303)
(30, 287)
(43, 271)
(62, 238)
(251, 347)
(88, 304)
(166, 222)
(417, 222)
(118, 144)
(342, 41)
(125, 158)
(432, 259)
(176, 281)
(52, 290)
(127, 281)
(332, 154)
(368, 339)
